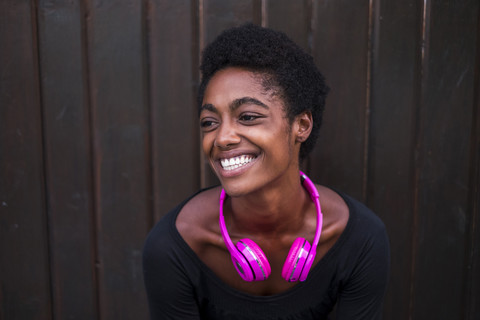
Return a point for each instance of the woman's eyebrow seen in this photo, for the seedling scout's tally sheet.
(209, 107)
(246, 100)
(235, 104)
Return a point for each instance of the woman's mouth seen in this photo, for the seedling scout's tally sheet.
(236, 162)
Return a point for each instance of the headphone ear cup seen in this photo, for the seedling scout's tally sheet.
(296, 258)
(307, 266)
(256, 259)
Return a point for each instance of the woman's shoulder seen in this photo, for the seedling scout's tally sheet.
(200, 208)
(197, 220)
(188, 214)
(362, 214)
(347, 219)
(203, 201)
(364, 229)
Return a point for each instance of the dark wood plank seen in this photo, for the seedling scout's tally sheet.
(67, 153)
(121, 153)
(473, 247)
(24, 270)
(473, 279)
(397, 36)
(472, 285)
(173, 45)
(214, 17)
(445, 129)
(218, 15)
(292, 17)
(340, 48)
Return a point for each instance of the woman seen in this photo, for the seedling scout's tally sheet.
(237, 251)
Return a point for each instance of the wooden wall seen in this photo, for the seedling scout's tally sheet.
(99, 138)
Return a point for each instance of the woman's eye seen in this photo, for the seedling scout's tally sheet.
(207, 124)
(248, 117)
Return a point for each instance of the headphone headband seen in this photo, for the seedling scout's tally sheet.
(312, 190)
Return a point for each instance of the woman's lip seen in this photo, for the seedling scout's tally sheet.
(233, 153)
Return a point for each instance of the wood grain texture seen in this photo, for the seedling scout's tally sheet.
(121, 153)
(173, 53)
(24, 262)
(219, 15)
(445, 129)
(394, 97)
(473, 248)
(292, 17)
(472, 278)
(67, 159)
(340, 49)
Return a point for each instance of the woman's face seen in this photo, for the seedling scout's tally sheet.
(246, 136)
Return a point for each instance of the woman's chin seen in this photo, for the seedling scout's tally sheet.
(234, 190)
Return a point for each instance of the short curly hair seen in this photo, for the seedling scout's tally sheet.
(284, 67)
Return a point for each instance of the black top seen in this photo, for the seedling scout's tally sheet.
(353, 274)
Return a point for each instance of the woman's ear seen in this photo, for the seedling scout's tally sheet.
(304, 125)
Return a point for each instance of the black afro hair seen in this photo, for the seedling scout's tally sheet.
(290, 70)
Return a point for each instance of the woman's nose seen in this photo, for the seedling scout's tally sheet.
(226, 136)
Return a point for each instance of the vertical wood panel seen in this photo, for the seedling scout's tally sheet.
(219, 15)
(215, 17)
(473, 248)
(68, 170)
(24, 270)
(173, 40)
(291, 17)
(340, 49)
(396, 54)
(76, 194)
(443, 160)
(121, 152)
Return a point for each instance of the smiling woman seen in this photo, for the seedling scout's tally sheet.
(240, 119)
(236, 251)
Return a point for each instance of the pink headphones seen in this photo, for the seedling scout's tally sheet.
(252, 264)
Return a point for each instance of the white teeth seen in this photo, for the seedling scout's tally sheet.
(236, 162)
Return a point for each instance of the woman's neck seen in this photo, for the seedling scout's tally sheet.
(277, 208)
